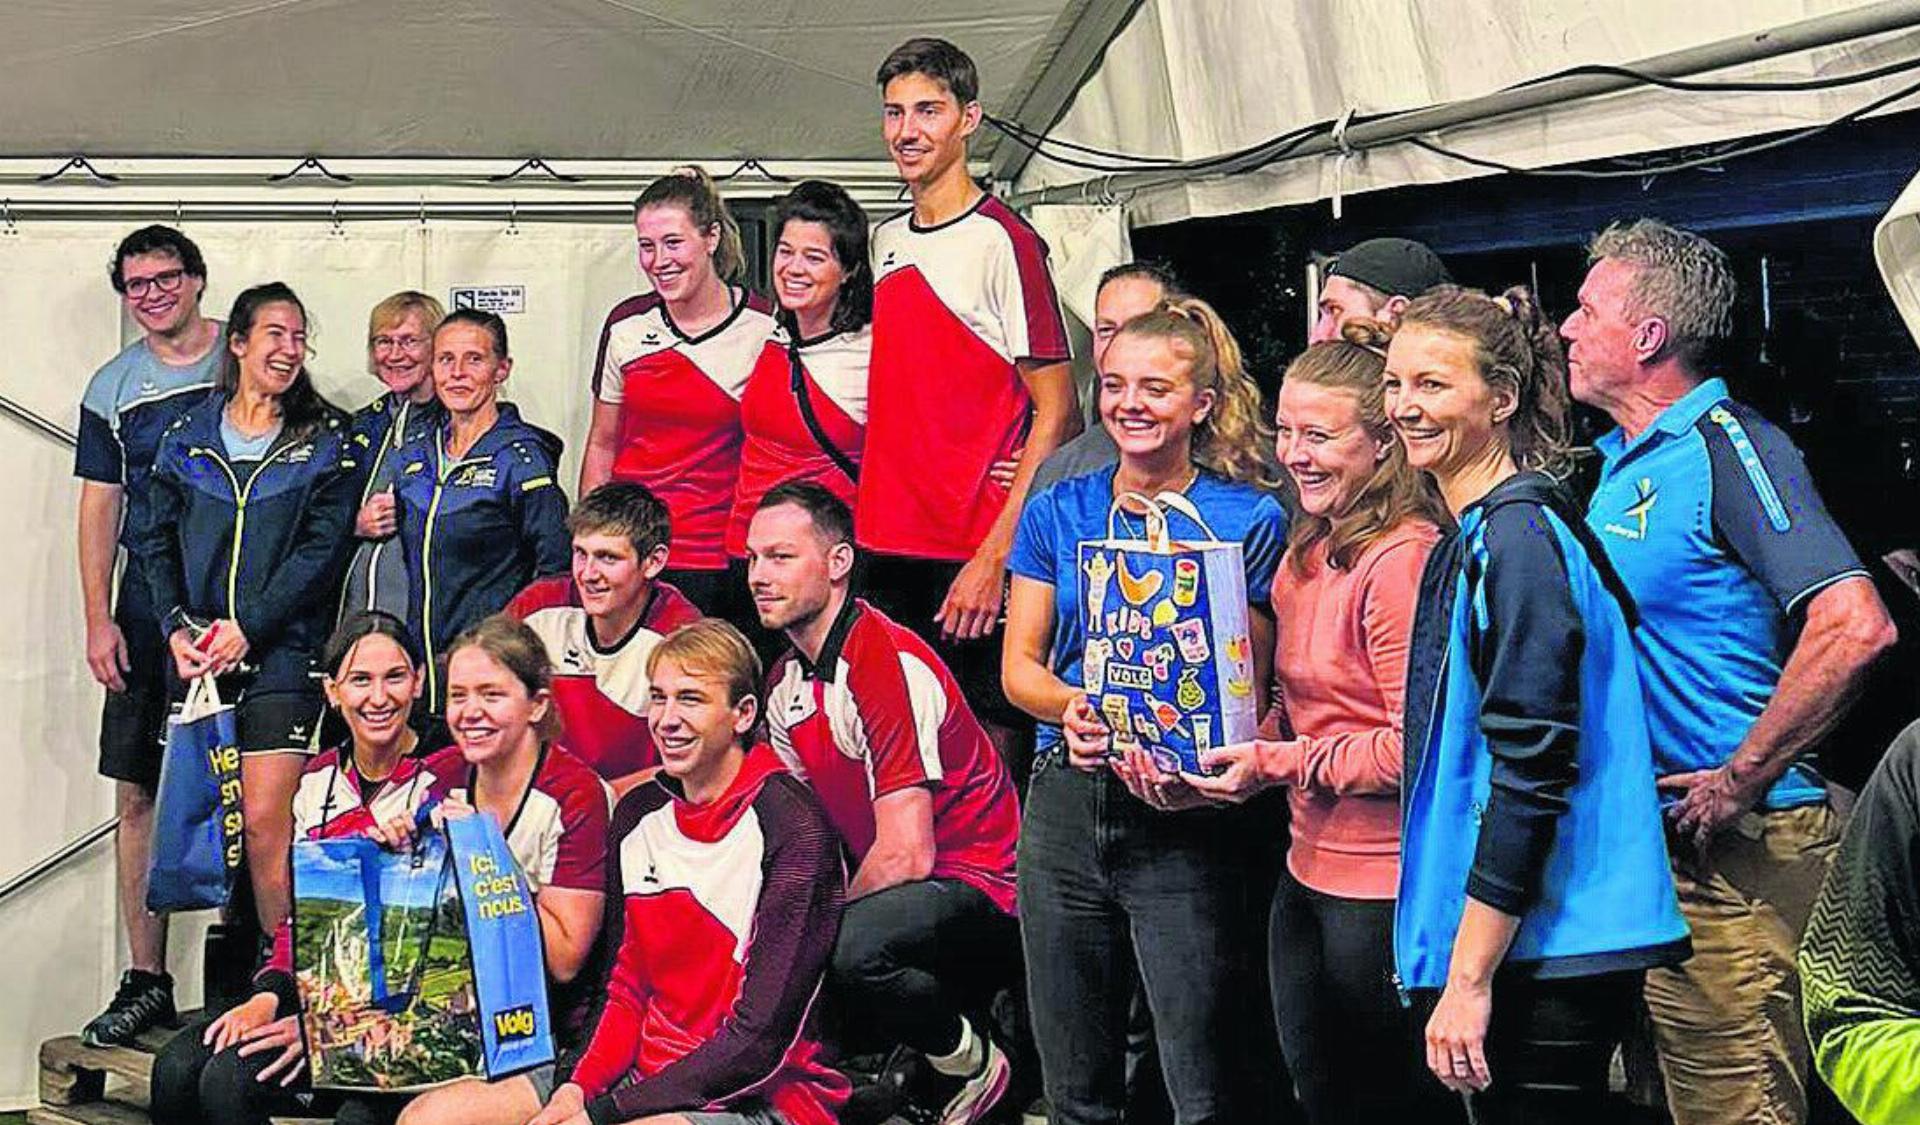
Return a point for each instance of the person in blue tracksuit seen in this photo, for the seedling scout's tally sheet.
(400, 354)
(1534, 887)
(248, 523)
(481, 513)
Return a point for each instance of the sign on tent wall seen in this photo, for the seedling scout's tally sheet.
(553, 284)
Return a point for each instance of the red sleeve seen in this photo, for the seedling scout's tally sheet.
(581, 863)
(615, 1042)
(794, 926)
(903, 746)
(544, 593)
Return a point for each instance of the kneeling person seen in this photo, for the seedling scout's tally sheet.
(866, 712)
(730, 886)
(600, 622)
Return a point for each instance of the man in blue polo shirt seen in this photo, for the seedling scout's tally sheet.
(159, 274)
(1757, 625)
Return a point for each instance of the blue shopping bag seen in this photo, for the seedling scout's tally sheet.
(418, 967)
(197, 837)
(1168, 660)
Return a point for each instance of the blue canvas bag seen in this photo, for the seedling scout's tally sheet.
(197, 826)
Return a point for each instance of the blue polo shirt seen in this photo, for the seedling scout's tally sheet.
(1716, 528)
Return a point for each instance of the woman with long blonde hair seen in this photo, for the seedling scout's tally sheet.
(1344, 597)
(1125, 872)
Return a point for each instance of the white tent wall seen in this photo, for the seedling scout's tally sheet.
(61, 321)
(1190, 80)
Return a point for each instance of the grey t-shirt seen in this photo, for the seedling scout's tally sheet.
(1093, 449)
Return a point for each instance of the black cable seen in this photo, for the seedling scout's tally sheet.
(1042, 144)
(1675, 166)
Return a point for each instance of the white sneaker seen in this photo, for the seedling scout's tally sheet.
(980, 1093)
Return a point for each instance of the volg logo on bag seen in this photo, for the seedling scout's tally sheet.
(513, 1024)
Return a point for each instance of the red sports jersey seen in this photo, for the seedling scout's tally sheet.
(332, 799)
(601, 692)
(956, 308)
(779, 446)
(679, 400)
(559, 839)
(726, 924)
(880, 713)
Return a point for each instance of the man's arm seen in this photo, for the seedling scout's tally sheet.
(972, 605)
(1847, 628)
(100, 505)
(902, 849)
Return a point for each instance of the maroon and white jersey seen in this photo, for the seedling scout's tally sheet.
(601, 692)
(779, 445)
(559, 835)
(880, 713)
(726, 923)
(332, 799)
(679, 400)
(956, 308)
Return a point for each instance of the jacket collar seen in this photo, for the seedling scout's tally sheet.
(824, 668)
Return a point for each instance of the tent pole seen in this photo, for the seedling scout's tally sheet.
(1739, 50)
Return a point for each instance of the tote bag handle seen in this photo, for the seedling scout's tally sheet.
(1154, 515)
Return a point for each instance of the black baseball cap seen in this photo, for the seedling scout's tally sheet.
(1398, 267)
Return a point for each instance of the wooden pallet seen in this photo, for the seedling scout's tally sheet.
(81, 1085)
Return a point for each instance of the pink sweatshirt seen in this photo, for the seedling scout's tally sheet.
(1341, 663)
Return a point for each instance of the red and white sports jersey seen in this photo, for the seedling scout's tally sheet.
(332, 799)
(779, 447)
(559, 836)
(601, 692)
(956, 308)
(880, 713)
(725, 928)
(679, 400)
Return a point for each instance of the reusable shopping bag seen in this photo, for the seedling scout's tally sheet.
(418, 967)
(1168, 661)
(197, 839)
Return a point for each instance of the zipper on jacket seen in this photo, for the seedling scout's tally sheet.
(440, 477)
(1419, 768)
(387, 444)
(240, 496)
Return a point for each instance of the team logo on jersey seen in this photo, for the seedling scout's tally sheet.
(886, 263)
(1646, 496)
(573, 658)
(800, 707)
(301, 455)
(476, 476)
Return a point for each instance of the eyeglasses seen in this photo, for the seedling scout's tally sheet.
(167, 281)
(403, 343)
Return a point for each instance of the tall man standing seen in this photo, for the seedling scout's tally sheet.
(970, 365)
(1757, 624)
(128, 404)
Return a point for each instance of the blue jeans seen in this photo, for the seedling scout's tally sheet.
(1110, 891)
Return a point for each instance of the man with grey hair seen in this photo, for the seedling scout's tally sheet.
(1757, 625)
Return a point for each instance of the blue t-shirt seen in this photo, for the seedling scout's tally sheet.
(1717, 530)
(128, 404)
(1046, 548)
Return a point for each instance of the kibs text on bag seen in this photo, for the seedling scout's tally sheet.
(418, 967)
(198, 834)
(1168, 661)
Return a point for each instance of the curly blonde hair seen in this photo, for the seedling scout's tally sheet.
(1234, 439)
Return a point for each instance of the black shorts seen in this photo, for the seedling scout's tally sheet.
(133, 722)
(910, 591)
(279, 722)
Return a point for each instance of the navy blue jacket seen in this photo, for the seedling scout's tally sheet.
(264, 548)
(1528, 780)
(478, 529)
(377, 576)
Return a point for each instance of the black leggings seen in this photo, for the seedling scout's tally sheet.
(194, 1086)
(1549, 1045)
(1344, 1032)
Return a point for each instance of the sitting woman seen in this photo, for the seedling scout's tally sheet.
(1534, 887)
(553, 809)
(248, 1063)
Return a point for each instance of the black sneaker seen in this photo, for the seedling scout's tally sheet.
(883, 1087)
(144, 1000)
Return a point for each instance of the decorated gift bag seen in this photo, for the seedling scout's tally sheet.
(197, 838)
(418, 967)
(1168, 661)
